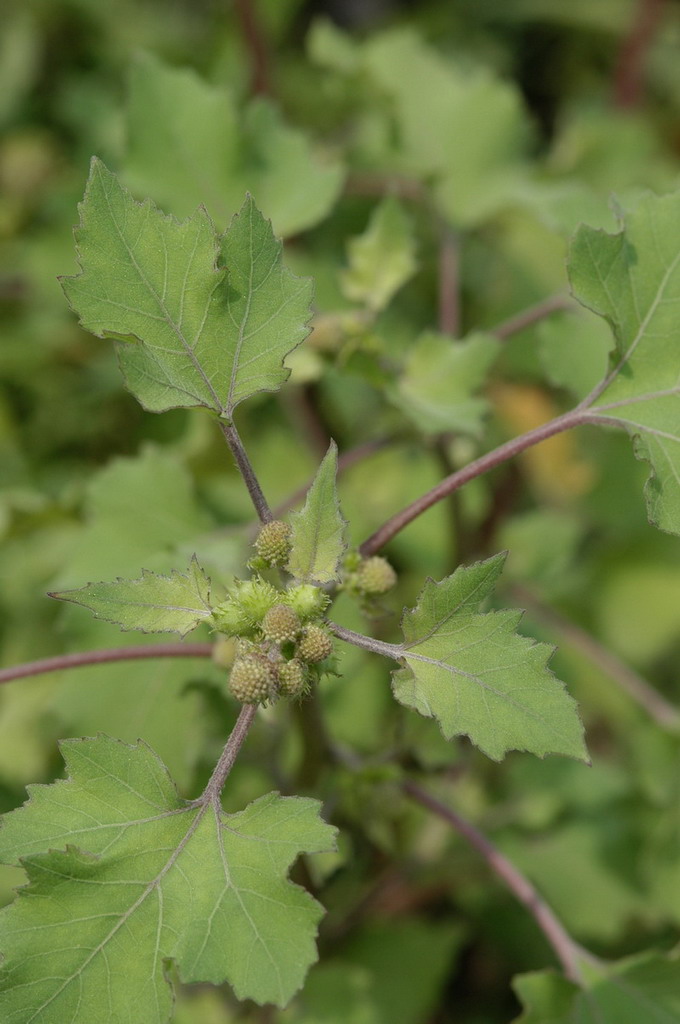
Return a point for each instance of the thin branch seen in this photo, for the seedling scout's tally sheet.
(389, 529)
(568, 952)
(367, 183)
(394, 651)
(628, 77)
(657, 707)
(256, 46)
(60, 662)
(449, 282)
(258, 499)
(212, 792)
(532, 315)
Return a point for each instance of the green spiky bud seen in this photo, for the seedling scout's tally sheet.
(307, 600)
(273, 542)
(374, 576)
(315, 644)
(224, 651)
(293, 678)
(252, 679)
(229, 617)
(255, 597)
(281, 623)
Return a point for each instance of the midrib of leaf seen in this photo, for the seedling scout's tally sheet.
(160, 300)
(236, 366)
(449, 615)
(602, 387)
(172, 860)
(484, 686)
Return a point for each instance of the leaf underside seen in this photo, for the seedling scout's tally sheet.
(135, 877)
(198, 320)
(154, 603)
(478, 677)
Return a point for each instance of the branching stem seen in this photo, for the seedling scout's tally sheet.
(246, 470)
(532, 315)
(568, 952)
(574, 418)
(394, 651)
(212, 792)
(80, 659)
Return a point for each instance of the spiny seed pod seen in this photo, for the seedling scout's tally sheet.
(281, 623)
(293, 678)
(375, 576)
(315, 644)
(307, 600)
(252, 679)
(273, 542)
(255, 597)
(230, 618)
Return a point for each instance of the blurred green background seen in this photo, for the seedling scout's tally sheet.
(319, 109)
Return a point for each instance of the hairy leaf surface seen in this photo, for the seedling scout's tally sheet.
(477, 676)
(135, 877)
(198, 320)
(318, 540)
(633, 280)
(154, 603)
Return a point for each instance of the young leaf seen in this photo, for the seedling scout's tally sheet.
(189, 144)
(197, 322)
(437, 388)
(153, 603)
(143, 878)
(382, 259)
(318, 529)
(633, 280)
(641, 989)
(477, 676)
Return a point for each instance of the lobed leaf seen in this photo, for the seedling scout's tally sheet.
(633, 280)
(188, 143)
(318, 542)
(437, 387)
(475, 675)
(144, 878)
(153, 603)
(198, 320)
(382, 259)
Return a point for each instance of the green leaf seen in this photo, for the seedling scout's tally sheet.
(189, 144)
(437, 387)
(643, 989)
(318, 542)
(145, 878)
(153, 603)
(189, 334)
(382, 259)
(633, 280)
(477, 676)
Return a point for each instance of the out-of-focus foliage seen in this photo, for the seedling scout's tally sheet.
(505, 122)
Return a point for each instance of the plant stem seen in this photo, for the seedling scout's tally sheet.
(60, 662)
(256, 47)
(394, 651)
(449, 282)
(664, 714)
(567, 951)
(628, 77)
(246, 470)
(211, 793)
(531, 315)
(574, 418)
